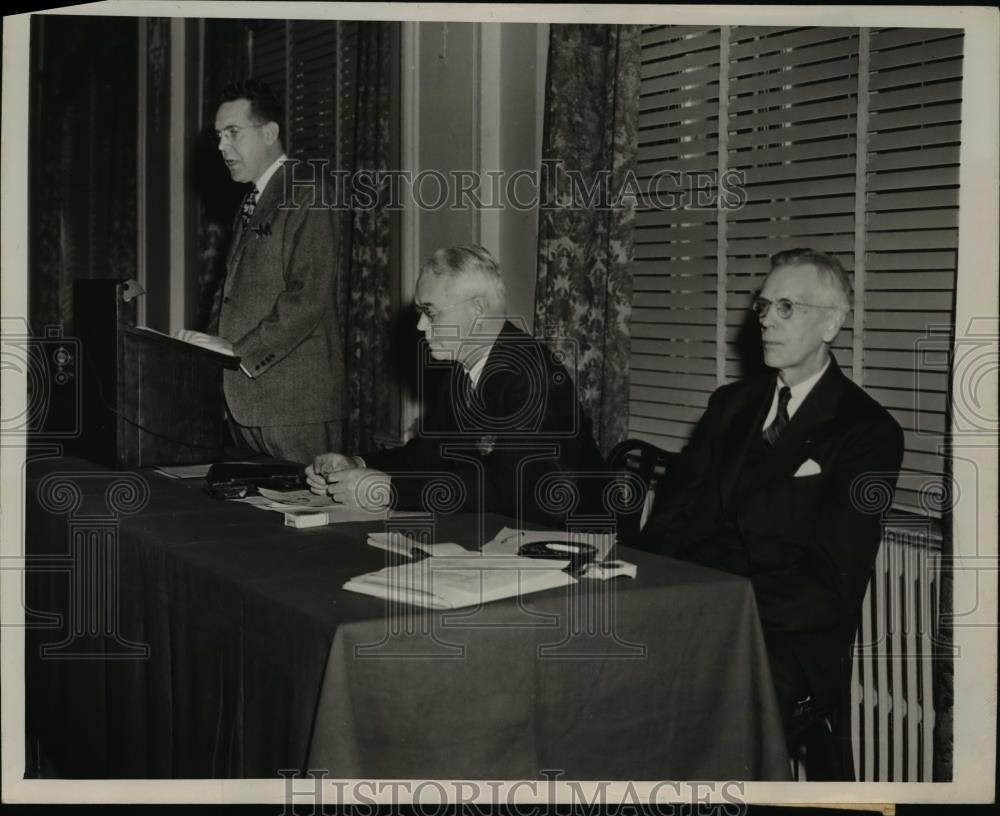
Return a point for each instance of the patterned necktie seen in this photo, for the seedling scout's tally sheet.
(773, 431)
(249, 204)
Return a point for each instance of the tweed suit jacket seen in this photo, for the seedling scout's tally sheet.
(278, 308)
(801, 520)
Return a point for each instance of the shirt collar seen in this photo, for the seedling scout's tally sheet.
(476, 369)
(264, 179)
(802, 389)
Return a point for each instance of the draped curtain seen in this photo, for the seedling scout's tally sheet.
(584, 286)
(82, 137)
(218, 197)
(368, 319)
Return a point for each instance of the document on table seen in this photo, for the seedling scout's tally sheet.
(295, 499)
(509, 541)
(303, 509)
(453, 582)
(405, 545)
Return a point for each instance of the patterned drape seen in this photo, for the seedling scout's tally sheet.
(368, 326)
(584, 287)
(218, 197)
(82, 135)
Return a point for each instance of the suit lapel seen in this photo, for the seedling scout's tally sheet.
(236, 244)
(265, 209)
(495, 356)
(792, 448)
(269, 200)
(489, 399)
(750, 415)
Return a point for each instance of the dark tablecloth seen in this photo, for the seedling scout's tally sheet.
(225, 647)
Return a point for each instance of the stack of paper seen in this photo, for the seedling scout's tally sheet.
(285, 500)
(303, 508)
(452, 582)
(301, 517)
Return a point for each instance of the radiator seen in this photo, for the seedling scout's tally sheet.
(892, 685)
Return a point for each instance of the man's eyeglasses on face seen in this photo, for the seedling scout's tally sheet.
(433, 314)
(232, 133)
(782, 306)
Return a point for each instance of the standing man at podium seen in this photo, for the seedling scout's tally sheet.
(277, 303)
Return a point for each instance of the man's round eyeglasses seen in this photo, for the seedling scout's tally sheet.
(435, 314)
(232, 133)
(783, 306)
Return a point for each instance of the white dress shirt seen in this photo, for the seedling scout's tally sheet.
(799, 393)
(476, 371)
(261, 183)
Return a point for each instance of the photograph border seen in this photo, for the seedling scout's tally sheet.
(976, 310)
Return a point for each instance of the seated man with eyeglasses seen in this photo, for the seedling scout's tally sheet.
(505, 432)
(785, 481)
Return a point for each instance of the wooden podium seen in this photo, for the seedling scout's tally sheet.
(148, 399)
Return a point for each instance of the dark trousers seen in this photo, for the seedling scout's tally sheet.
(820, 725)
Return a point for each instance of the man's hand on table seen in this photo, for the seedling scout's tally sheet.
(349, 482)
(325, 464)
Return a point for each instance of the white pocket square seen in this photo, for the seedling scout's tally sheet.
(810, 467)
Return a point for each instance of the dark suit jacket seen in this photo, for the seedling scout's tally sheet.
(807, 543)
(513, 447)
(279, 311)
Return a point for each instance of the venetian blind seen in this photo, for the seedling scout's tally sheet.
(268, 60)
(675, 274)
(911, 239)
(846, 140)
(311, 65)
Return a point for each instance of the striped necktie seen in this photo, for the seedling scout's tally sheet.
(773, 431)
(249, 205)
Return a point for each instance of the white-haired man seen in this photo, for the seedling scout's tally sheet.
(774, 485)
(505, 433)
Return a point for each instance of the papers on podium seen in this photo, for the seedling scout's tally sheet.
(453, 582)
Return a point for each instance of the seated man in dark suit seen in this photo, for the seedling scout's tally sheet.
(505, 433)
(776, 481)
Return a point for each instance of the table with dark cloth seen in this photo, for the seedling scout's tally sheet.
(223, 645)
